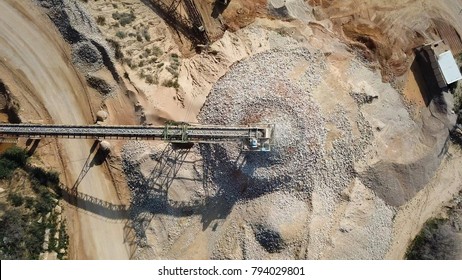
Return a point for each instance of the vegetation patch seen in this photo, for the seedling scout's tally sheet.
(156, 51)
(171, 83)
(100, 20)
(121, 34)
(117, 49)
(436, 241)
(457, 89)
(10, 160)
(124, 18)
(30, 217)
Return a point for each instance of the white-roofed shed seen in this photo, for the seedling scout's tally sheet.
(449, 68)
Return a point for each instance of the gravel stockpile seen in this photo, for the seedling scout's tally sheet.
(86, 56)
(272, 88)
(265, 89)
(90, 51)
(311, 166)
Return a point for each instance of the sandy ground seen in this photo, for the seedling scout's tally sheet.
(34, 55)
(427, 203)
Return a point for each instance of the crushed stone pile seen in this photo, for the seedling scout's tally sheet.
(261, 90)
(269, 88)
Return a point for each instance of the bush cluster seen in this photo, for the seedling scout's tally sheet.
(436, 241)
(124, 18)
(23, 223)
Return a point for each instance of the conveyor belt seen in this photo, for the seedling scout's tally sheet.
(171, 133)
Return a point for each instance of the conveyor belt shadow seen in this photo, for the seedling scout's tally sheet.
(93, 204)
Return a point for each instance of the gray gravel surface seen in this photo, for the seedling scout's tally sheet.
(262, 89)
(257, 90)
(89, 49)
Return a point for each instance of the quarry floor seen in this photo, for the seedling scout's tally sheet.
(35, 63)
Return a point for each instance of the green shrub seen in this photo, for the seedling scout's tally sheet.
(10, 160)
(17, 155)
(15, 199)
(121, 34)
(101, 20)
(35, 237)
(118, 50)
(157, 51)
(124, 18)
(458, 96)
(171, 83)
(436, 241)
(150, 79)
(172, 71)
(30, 202)
(63, 241)
(7, 168)
(13, 234)
(146, 35)
(21, 233)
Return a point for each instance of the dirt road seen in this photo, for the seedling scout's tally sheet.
(36, 60)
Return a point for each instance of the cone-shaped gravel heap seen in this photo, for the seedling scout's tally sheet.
(272, 87)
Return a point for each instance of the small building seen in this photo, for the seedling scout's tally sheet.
(442, 62)
(448, 66)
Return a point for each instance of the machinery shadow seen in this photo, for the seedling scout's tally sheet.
(98, 159)
(235, 181)
(150, 197)
(226, 181)
(176, 21)
(218, 8)
(32, 145)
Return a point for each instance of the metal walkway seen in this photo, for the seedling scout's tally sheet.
(256, 137)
